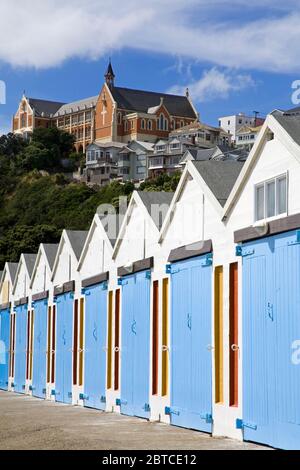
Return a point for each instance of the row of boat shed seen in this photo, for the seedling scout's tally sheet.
(189, 314)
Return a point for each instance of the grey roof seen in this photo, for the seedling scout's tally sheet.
(141, 101)
(30, 262)
(290, 123)
(73, 107)
(77, 239)
(44, 107)
(12, 267)
(202, 154)
(50, 251)
(153, 198)
(219, 176)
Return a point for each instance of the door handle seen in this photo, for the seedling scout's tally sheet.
(270, 311)
(133, 329)
(165, 348)
(116, 349)
(209, 347)
(189, 321)
(234, 347)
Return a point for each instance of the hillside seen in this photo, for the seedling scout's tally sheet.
(37, 202)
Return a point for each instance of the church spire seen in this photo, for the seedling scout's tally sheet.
(109, 76)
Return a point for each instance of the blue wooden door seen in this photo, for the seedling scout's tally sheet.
(135, 348)
(271, 346)
(64, 341)
(20, 349)
(286, 319)
(191, 365)
(4, 347)
(258, 334)
(95, 346)
(40, 349)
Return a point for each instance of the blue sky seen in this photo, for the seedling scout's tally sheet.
(232, 56)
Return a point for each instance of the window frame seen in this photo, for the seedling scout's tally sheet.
(265, 184)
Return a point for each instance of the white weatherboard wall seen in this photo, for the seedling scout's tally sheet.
(96, 258)
(139, 240)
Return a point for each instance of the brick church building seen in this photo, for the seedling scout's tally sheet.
(115, 115)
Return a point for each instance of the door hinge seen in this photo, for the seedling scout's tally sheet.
(207, 416)
(122, 282)
(53, 392)
(103, 399)
(147, 407)
(83, 396)
(241, 251)
(31, 388)
(120, 402)
(297, 240)
(241, 424)
(148, 274)
(85, 292)
(170, 269)
(44, 391)
(171, 411)
(104, 286)
(208, 261)
(70, 394)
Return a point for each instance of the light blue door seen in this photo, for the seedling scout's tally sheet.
(191, 365)
(20, 349)
(64, 335)
(95, 346)
(271, 346)
(4, 347)
(258, 334)
(40, 349)
(135, 347)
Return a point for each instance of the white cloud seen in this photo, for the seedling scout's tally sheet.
(215, 84)
(37, 33)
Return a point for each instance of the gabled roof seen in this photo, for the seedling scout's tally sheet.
(97, 222)
(77, 239)
(12, 268)
(44, 108)
(140, 101)
(50, 252)
(79, 105)
(286, 127)
(151, 198)
(219, 176)
(144, 200)
(29, 261)
(290, 123)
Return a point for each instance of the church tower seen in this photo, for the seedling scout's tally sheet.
(110, 76)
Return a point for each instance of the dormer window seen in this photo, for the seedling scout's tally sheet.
(271, 198)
